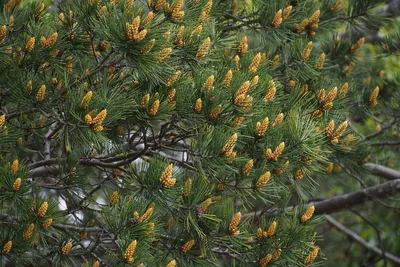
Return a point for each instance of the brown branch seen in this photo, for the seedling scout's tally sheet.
(132, 156)
(44, 171)
(49, 166)
(347, 201)
(45, 162)
(54, 186)
(99, 68)
(78, 229)
(355, 237)
(343, 202)
(67, 227)
(383, 171)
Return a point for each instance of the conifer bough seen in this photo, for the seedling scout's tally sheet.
(108, 107)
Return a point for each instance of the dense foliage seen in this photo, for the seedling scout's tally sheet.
(177, 133)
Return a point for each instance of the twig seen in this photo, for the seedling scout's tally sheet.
(363, 196)
(346, 18)
(77, 228)
(45, 162)
(385, 143)
(93, 46)
(178, 162)
(378, 233)
(100, 67)
(355, 237)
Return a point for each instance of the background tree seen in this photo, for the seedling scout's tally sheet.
(186, 133)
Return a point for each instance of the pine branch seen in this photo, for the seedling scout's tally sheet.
(180, 163)
(390, 10)
(55, 186)
(115, 164)
(49, 166)
(383, 171)
(93, 46)
(347, 201)
(242, 23)
(155, 117)
(66, 227)
(78, 229)
(378, 234)
(343, 202)
(45, 162)
(44, 171)
(101, 66)
(355, 237)
(225, 251)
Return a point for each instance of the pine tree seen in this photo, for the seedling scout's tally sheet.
(151, 133)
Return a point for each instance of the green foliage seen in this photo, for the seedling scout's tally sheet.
(129, 129)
